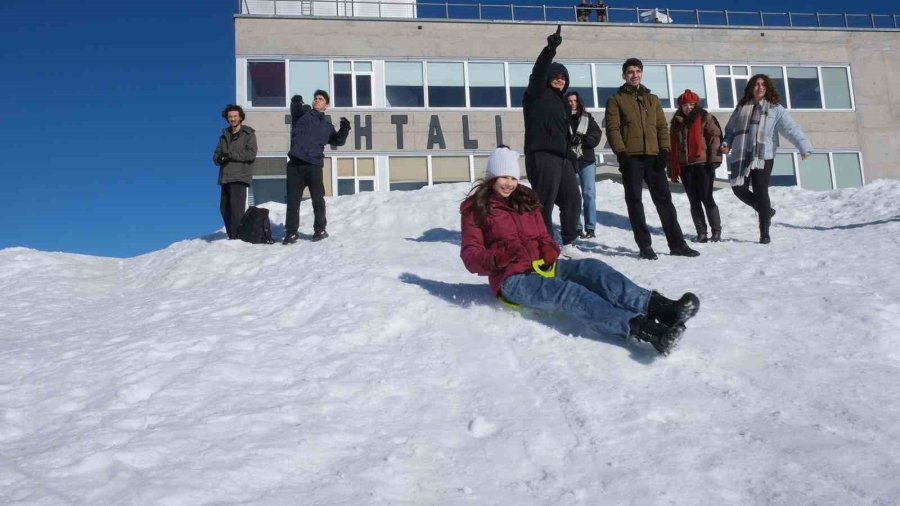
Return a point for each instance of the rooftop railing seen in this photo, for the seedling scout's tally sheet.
(552, 13)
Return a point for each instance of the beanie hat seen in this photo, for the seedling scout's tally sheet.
(324, 95)
(632, 62)
(688, 97)
(503, 162)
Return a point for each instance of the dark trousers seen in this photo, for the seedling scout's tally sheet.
(758, 199)
(232, 204)
(300, 176)
(641, 170)
(698, 185)
(554, 180)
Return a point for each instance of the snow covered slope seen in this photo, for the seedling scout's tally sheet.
(371, 368)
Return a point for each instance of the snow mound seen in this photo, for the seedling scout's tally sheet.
(371, 368)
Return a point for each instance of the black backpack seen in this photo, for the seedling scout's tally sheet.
(255, 227)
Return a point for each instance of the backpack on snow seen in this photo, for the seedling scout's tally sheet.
(255, 227)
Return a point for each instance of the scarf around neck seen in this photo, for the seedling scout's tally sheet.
(748, 149)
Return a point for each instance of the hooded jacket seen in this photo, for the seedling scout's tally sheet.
(241, 154)
(635, 122)
(504, 228)
(545, 108)
(310, 132)
(680, 155)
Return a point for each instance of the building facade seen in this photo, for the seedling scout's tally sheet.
(429, 99)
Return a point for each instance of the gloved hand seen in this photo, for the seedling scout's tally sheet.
(223, 160)
(624, 160)
(297, 98)
(555, 39)
(662, 159)
(503, 257)
(549, 254)
(345, 124)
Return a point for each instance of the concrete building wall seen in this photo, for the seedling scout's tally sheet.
(873, 128)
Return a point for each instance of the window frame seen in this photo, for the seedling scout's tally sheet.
(353, 73)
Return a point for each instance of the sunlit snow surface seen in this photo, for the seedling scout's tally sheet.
(372, 368)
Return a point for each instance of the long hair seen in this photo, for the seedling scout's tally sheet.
(771, 97)
(522, 199)
(579, 108)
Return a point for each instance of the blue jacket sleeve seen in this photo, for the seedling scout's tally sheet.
(792, 132)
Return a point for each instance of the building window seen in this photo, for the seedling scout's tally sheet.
(268, 190)
(408, 172)
(836, 86)
(815, 173)
(479, 163)
(265, 81)
(355, 175)
(847, 170)
(518, 82)
(783, 173)
(609, 80)
(804, 89)
(487, 85)
(307, 77)
(352, 84)
(446, 85)
(580, 81)
(730, 83)
(404, 86)
(689, 78)
(657, 79)
(449, 169)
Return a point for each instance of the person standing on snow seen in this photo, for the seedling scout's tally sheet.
(234, 154)
(695, 157)
(586, 136)
(638, 135)
(753, 132)
(505, 239)
(549, 170)
(310, 132)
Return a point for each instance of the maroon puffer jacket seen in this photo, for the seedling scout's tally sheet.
(504, 228)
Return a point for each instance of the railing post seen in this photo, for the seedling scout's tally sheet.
(512, 12)
(726, 18)
(446, 10)
(846, 21)
(818, 21)
(697, 12)
(668, 15)
(762, 19)
(275, 7)
(545, 11)
(790, 19)
(479, 11)
(637, 12)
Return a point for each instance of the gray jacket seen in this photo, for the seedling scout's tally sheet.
(779, 122)
(241, 153)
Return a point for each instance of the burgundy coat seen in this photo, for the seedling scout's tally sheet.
(522, 234)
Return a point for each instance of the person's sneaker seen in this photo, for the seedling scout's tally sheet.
(291, 238)
(319, 235)
(662, 337)
(648, 254)
(580, 234)
(672, 312)
(590, 235)
(684, 251)
(569, 251)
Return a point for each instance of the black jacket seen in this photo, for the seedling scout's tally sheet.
(590, 140)
(546, 110)
(310, 132)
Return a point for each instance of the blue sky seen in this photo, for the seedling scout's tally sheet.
(112, 113)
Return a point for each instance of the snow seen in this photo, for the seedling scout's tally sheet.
(372, 368)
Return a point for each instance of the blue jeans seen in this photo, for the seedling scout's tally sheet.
(587, 177)
(587, 289)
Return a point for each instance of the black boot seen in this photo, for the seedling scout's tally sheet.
(764, 229)
(648, 254)
(662, 337)
(702, 237)
(672, 312)
(699, 224)
(715, 223)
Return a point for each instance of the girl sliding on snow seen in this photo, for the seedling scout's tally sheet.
(504, 238)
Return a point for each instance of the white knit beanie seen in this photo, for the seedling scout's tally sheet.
(503, 162)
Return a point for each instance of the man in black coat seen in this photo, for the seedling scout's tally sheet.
(310, 131)
(547, 166)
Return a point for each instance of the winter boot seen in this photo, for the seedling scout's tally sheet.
(764, 229)
(291, 238)
(672, 312)
(648, 254)
(589, 234)
(319, 235)
(662, 337)
(684, 251)
(715, 223)
(699, 224)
